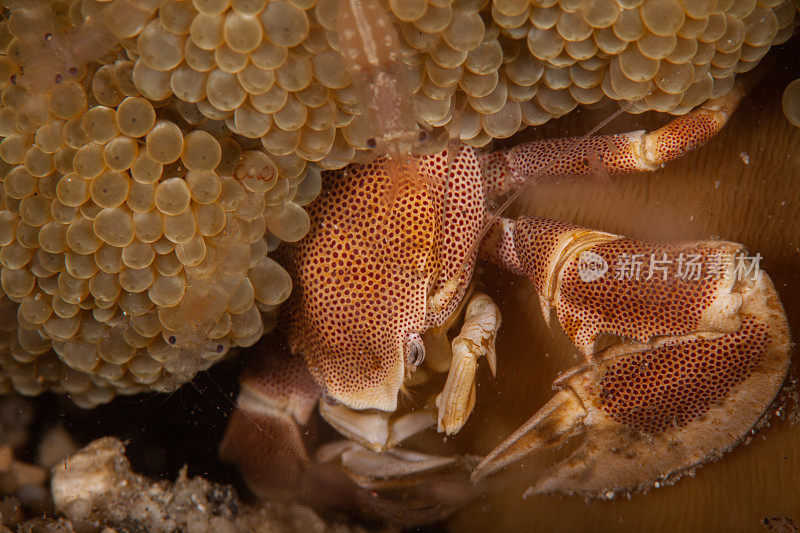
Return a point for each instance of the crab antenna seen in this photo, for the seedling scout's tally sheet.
(494, 217)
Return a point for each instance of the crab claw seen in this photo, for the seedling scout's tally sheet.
(405, 487)
(701, 357)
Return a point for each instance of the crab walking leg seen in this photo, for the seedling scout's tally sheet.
(476, 339)
(404, 487)
(636, 151)
(263, 437)
(704, 354)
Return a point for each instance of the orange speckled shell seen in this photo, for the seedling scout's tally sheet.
(365, 271)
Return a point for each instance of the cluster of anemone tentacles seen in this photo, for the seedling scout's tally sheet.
(155, 151)
(133, 239)
(479, 69)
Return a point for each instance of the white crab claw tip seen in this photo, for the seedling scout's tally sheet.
(555, 423)
(491, 357)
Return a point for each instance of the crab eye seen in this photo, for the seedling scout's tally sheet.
(220, 348)
(423, 136)
(371, 143)
(172, 339)
(415, 353)
(59, 78)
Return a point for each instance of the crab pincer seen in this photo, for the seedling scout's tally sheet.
(686, 344)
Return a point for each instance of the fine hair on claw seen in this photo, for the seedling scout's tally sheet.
(560, 156)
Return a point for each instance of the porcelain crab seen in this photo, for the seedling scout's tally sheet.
(683, 350)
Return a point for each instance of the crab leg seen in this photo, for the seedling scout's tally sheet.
(701, 350)
(636, 151)
(263, 437)
(455, 403)
(403, 486)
